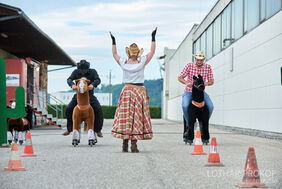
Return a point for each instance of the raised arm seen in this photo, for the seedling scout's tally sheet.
(114, 48)
(153, 47)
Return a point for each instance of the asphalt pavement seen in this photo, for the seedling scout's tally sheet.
(163, 162)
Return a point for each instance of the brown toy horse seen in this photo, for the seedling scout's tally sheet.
(83, 111)
(17, 127)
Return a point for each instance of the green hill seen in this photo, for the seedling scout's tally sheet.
(154, 87)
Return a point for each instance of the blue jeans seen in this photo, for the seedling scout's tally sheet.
(186, 100)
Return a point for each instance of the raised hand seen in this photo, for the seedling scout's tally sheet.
(74, 87)
(154, 34)
(113, 38)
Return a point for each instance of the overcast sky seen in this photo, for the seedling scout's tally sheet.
(80, 28)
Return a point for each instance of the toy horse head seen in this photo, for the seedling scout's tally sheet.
(82, 85)
(199, 83)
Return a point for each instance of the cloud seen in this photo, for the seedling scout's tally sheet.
(82, 31)
(129, 21)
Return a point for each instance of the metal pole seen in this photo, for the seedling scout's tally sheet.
(110, 87)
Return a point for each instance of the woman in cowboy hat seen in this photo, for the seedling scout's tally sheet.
(186, 77)
(132, 119)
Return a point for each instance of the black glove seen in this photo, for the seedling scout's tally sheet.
(154, 34)
(113, 39)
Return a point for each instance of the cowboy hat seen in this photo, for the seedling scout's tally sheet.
(83, 66)
(200, 55)
(133, 50)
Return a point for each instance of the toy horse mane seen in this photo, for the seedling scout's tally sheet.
(198, 91)
(82, 93)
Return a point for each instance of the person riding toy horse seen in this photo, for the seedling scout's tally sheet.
(198, 110)
(83, 111)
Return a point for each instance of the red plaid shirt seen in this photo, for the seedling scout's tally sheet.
(191, 69)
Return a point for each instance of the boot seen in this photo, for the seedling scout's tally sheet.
(125, 145)
(134, 146)
(66, 133)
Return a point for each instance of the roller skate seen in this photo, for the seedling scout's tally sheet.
(91, 143)
(75, 138)
(190, 142)
(206, 142)
(91, 137)
(74, 142)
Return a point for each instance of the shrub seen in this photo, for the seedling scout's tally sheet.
(109, 111)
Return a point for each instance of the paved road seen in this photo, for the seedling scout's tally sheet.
(164, 162)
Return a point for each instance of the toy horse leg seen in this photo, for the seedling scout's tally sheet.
(9, 137)
(191, 123)
(26, 127)
(205, 135)
(16, 136)
(20, 131)
(75, 133)
(91, 134)
(9, 133)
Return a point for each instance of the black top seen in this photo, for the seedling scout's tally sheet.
(92, 75)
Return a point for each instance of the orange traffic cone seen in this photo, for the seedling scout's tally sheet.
(28, 149)
(198, 147)
(251, 177)
(15, 163)
(213, 155)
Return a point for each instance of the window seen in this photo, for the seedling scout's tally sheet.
(194, 51)
(197, 45)
(203, 42)
(262, 10)
(251, 14)
(226, 26)
(209, 42)
(237, 19)
(272, 7)
(217, 35)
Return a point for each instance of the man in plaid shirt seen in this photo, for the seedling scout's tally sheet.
(186, 77)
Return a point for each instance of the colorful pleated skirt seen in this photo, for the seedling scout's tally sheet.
(132, 118)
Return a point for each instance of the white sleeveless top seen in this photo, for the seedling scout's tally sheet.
(133, 73)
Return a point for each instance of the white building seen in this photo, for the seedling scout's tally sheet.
(243, 43)
(65, 98)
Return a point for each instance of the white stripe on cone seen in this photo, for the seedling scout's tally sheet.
(198, 141)
(14, 155)
(213, 149)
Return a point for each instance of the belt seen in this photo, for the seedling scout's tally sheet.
(138, 87)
